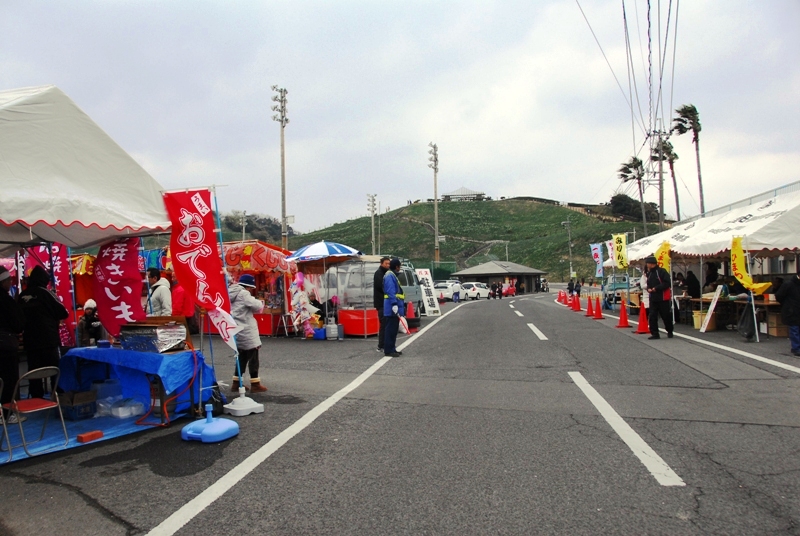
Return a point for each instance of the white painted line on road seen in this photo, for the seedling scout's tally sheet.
(512, 301)
(736, 351)
(518, 313)
(188, 511)
(651, 460)
(511, 306)
(538, 332)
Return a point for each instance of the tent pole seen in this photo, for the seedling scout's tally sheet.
(72, 294)
(752, 297)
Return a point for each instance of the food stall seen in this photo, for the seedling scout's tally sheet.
(273, 274)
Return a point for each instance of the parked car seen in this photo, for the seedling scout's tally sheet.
(444, 290)
(509, 290)
(614, 286)
(475, 290)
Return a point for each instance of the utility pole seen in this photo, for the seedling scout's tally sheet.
(281, 118)
(434, 165)
(506, 250)
(379, 227)
(244, 222)
(371, 208)
(568, 225)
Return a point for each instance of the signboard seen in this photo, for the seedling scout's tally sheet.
(707, 319)
(428, 295)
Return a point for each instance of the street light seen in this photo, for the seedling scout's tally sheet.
(434, 165)
(371, 208)
(568, 225)
(281, 118)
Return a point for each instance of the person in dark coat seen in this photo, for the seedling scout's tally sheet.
(660, 289)
(692, 285)
(570, 287)
(789, 297)
(89, 327)
(393, 307)
(43, 313)
(377, 299)
(12, 322)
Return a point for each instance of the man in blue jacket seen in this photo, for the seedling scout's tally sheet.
(393, 307)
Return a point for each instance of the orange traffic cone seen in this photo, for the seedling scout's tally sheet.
(409, 316)
(598, 311)
(562, 297)
(642, 328)
(568, 301)
(576, 304)
(623, 317)
(589, 310)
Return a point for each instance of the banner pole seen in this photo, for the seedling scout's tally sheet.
(146, 279)
(72, 294)
(752, 297)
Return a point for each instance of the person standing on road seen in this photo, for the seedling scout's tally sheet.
(393, 307)
(43, 314)
(570, 286)
(12, 322)
(377, 298)
(660, 289)
(577, 288)
(645, 294)
(789, 296)
(243, 306)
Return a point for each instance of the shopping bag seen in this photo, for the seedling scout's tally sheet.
(403, 325)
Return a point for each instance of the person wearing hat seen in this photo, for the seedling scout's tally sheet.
(89, 326)
(659, 288)
(12, 322)
(43, 314)
(248, 342)
(393, 307)
(377, 298)
(789, 297)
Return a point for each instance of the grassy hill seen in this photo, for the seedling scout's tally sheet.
(476, 232)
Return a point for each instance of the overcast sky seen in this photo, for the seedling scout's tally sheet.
(516, 94)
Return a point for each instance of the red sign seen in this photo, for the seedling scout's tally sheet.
(41, 255)
(117, 284)
(196, 259)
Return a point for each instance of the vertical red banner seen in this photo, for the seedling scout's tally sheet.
(196, 258)
(117, 284)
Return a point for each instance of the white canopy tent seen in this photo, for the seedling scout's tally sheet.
(65, 180)
(770, 227)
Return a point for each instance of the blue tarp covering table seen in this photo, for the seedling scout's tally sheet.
(174, 369)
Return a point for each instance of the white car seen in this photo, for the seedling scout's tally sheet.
(445, 290)
(475, 290)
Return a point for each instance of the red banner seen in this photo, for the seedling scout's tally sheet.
(117, 284)
(196, 259)
(40, 255)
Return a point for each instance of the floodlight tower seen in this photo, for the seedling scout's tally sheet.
(371, 208)
(280, 117)
(434, 165)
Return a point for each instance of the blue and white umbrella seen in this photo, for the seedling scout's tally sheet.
(323, 250)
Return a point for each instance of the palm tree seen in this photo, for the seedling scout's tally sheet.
(633, 170)
(667, 153)
(688, 119)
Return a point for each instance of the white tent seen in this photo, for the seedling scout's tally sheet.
(770, 227)
(65, 180)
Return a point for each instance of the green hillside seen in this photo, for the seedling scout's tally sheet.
(476, 232)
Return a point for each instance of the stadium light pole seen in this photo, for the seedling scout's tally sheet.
(280, 117)
(371, 208)
(434, 165)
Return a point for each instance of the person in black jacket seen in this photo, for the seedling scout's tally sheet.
(377, 299)
(43, 313)
(789, 296)
(692, 285)
(12, 321)
(659, 288)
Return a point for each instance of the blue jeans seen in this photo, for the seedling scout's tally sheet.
(390, 335)
(794, 338)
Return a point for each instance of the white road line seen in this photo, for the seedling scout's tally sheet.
(512, 301)
(188, 511)
(538, 332)
(511, 306)
(518, 313)
(736, 351)
(651, 460)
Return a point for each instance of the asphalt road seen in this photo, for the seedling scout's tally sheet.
(483, 426)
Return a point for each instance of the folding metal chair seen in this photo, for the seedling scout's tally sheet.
(5, 430)
(32, 405)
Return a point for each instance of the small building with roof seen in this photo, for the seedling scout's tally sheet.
(503, 272)
(463, 194)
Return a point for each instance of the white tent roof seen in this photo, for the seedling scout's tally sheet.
(64, 179)
(771, 226)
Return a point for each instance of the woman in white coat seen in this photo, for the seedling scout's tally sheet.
(248, 342)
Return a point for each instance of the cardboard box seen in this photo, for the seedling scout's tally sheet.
(779, 331)
(774, 320)
(78, 405)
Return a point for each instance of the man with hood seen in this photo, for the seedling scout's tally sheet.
(160, 299)
(393, 307)
(377, 298)
(659, 288)
(43, 313)
(243, 306)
